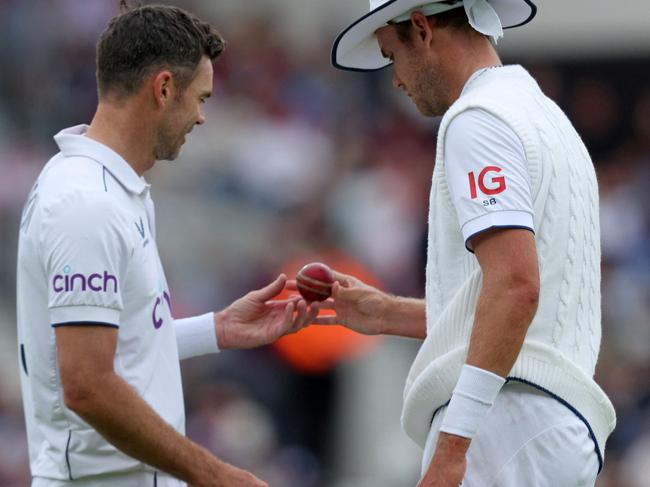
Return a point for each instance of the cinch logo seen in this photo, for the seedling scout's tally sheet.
(499, 181)
(158, 322)
(79, 282)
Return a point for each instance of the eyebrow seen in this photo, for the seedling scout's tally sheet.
(206, 94)
(384, 54)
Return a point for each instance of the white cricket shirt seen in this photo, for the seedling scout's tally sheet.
(87, 254)
(487, 173)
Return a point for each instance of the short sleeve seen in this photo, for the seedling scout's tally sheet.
(487, 174)
(85, 257)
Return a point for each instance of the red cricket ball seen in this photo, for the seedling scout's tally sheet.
(314, 282)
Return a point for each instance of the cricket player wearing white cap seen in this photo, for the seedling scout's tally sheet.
(501, 392)
(99, 348)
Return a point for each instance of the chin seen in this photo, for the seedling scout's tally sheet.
(174, 156)
(424, 109)
(169, 155)
(428, 110)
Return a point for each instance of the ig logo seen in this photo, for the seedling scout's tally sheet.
(497, 183)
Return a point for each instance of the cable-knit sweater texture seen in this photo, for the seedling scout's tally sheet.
(561, 347)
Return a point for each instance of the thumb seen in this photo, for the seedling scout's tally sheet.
(270, 291)
(341, 278)
(338, 291)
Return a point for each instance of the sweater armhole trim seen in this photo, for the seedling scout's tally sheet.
(557, 398)
(571, 408)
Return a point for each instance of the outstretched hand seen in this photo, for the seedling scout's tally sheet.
(255, 320)
(357, 305)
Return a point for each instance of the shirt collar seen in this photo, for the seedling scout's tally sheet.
(73, 142)
(477, 74)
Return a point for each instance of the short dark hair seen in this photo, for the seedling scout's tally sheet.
(455, 19)
(146, 38)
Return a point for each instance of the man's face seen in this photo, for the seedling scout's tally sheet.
(184, 113)
(415, 72)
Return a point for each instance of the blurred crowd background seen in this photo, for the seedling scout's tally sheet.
(300, 162)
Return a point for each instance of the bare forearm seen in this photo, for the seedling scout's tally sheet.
(405, 317)
(138, 431)
(506, 306)
(504, 312)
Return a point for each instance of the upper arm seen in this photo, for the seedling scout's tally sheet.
(84, 253)
(487, 175)
(85, 355)
(508, 257)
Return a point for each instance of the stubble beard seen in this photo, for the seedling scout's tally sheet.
(431, 95)
(168, 145)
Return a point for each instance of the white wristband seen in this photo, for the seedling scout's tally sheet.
(196, 336)
(473, 397)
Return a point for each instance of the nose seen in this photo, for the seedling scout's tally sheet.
(201, 119)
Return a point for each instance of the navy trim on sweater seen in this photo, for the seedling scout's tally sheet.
(553, 396)
(571, 408)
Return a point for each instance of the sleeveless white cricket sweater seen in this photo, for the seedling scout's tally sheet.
(561, 348)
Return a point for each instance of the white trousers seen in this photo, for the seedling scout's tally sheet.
(131, 479)
(527, 439)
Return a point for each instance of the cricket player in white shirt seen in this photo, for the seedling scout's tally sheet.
(502, 391)
(99, 348)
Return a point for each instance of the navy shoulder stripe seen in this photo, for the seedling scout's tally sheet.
(85, 323)
(495, 227)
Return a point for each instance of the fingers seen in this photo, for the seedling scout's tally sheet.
(299, 317)
(270, 291)
(281, 327)
(288, 315)
(304, 316)
(326, 320)
(343, 279)
(313, 313)
(310, 316)
(327, 304)
(339, 293)
(336, 289)
(281, 303)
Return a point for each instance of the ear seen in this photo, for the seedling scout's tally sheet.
(422, 27)
(163, 88)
